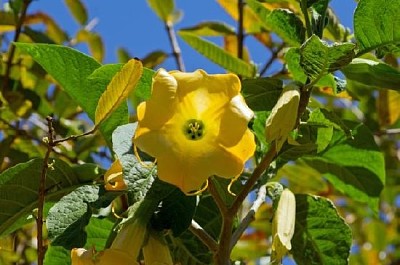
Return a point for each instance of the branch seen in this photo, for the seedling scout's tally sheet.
(240, 36)
(303, 4)
(250, 216)
(74, 137)
(42, 191)
(176, 51)
(25, 5)
(204, 237)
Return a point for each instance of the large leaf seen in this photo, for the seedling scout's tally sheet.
(71, 69)
(118, 89)
(321, 235)
(376, 23)
(373, 73)
(218, 55)
(19, 187)
(318, 59)
(281, 21)
(261, 93)
(353, 164)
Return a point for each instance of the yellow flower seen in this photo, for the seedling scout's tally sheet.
(195, 125)
(123, 251)
(156, 251)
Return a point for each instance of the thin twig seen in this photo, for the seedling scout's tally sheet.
(25, 5)
(201, 234)
(74, 137)
(388, 132)
(274, 55)
(176, 51)
(240, 35)
(42, 191)
(250, 216)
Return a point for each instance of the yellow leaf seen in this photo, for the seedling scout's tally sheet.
(118, 89)
(388, 107)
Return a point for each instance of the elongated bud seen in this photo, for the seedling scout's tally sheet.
(156, 251)
(114, 179)
(283, 225)
(283, 116)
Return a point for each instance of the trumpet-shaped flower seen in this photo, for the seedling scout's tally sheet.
(156, 251)
(123, 251)
(195, 125)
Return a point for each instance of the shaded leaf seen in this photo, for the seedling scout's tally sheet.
(118, 89)
(318, 59)
(372, 73)
(94, 42)
(376, 24)
(261, 93)
(321, 235)
(57, 255)
(123, 55)
(218, 55)
(78, 11)
(154, 58)
(19, 186)
(211, 29)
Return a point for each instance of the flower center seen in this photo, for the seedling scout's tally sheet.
(193, 129)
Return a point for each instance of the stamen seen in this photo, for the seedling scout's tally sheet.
(194, 129)
(230, 185)
(198, 191)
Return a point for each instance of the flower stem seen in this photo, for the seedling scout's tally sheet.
(303, 4)
(201, 234)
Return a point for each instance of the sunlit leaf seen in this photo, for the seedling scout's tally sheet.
(94, 42)
(218, 55)
(318, 58)
(376, 24)
(210, 29)
(163, 8)
(388, 107)
(118, 89)
(78, 11)
(321, 235)
(281, 21)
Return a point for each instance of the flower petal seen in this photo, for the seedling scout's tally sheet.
(160, 107)
(234, 121)
(113, 178)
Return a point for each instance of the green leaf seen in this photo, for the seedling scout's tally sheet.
(118, 89)
(218, 55)
(376, 23)
(67, 219)
(57, 255)
(323, 117)
(262, 93)
(283, 22)
(163, 8)
(373, 73)
(98, 230)
(19, 187)
(71, 69)
(138, 176)
(210, 29)
(321, 235)
(78, 11)
(318, 59)
(354, 165)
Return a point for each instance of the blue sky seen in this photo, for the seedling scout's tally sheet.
(132, 25)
